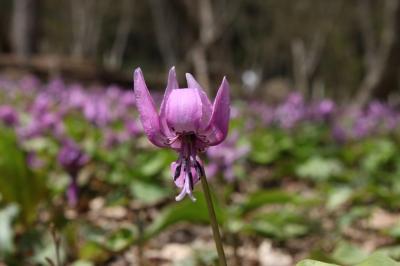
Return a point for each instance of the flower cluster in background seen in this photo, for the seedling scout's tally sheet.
(65, 112)
(352, 123)
(78, 153)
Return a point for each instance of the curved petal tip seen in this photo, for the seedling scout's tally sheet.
(192, 82)
(137, 71)
(219, 122)
(172, 81)
(147, 110)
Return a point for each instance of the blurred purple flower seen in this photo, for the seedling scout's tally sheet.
(262, 111)
(8, 115)
(295, 99)
(72, 193)
(76, 98)
(33, 161)
(96, 111)
(363, 126)
(29, 83)
(132, 128)
(56, 86)
(339, 134)
(41, 104)
(128, 99)
(324, 109)
(72, 159)
(46, 122)
(226, 154)
(377, 109)
(187, 122)
(291, 111)
(113, 92)
(112, 138)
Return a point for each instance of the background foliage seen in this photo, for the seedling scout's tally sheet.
(310, 169)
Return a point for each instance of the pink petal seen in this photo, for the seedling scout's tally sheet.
(184, 110)
(172, 85)
(192, 83)
(180, 181)
(218, 128)
(181, 195)
(148, 112)
(207, 107)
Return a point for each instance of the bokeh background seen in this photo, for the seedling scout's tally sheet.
(310, 169)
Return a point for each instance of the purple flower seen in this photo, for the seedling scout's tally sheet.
(187, 122)
(42, 123)
(325, 108)
(76, 98)
(291, 111)
(29, 83)
(96, 111)
(339, 134)
(72, 159)
(34, 161)
(72, 193)
(226, 154)
(127, 99)
(8, 115)
(377, 110)
(131, 128)
(262, 111)
(41, 104)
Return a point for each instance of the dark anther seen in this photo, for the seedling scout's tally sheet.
(190, 180)
(177, 171)
(200, 168)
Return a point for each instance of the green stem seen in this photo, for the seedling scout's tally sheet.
(213, 221)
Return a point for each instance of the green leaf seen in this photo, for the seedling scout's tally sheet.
(92, 252)
(82, 263)
(7, 216)
(121, 239)
(379, 152)
(267, 147)
(338, 196)
(41, 144)
(17, 183)
(378, 259)
(266, 197)
(348, 254)
(354, 214)
(319, 169)
(155, 163)
(314, 263)
(390, 251)
(148, 192)
(282, 224)
(44, 249)
(185, 211)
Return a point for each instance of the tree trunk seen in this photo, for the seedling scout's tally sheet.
(24, 27)
(114, 58)
(87, 20)
(305, 62)
(200, 65)
(381, 56)
(164, 31)
(299, 66)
